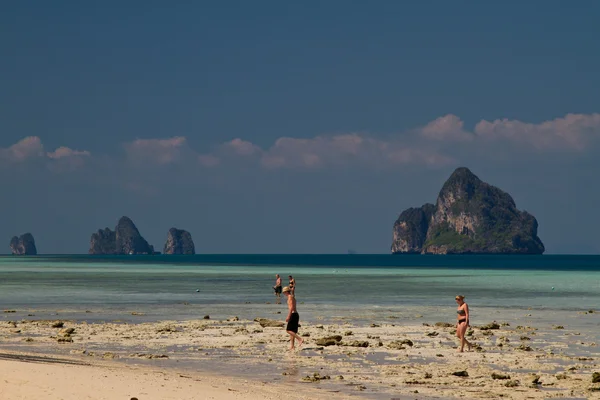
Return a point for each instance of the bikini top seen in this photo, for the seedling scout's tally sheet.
(460, 312)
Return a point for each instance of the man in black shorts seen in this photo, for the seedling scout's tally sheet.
(292, 319)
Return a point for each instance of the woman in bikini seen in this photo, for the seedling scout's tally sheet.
(462, 322)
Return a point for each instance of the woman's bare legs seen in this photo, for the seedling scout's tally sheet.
(461, 330)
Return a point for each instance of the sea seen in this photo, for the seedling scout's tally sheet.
(545, 292)
(355, 288)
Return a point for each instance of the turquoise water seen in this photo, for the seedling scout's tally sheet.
(360, 288)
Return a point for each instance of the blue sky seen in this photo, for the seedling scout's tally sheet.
(293, 127)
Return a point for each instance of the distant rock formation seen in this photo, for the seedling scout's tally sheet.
(23, 245)
(470, 216)
(179, 241)
(125, 239)
(103, 242)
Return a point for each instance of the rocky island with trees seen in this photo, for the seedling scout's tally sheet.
(469, 217)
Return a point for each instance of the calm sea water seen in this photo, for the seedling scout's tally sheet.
(357, 288)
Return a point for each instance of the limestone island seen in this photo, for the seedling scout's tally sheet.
(179, 241)
(23, 245)
(469, 217)
(125, 239)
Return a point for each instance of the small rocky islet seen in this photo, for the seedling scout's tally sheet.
(179, 241)
(127, 240)
(469, 217)
(23, 245)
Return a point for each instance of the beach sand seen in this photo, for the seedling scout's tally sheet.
(232, 359)
(36, 378)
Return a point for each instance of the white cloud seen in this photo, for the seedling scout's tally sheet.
(31, 148)
(26, 148)
(343, 150)
(242, 147)
(156, 151)
(448, 127)
(66, 152)
(573, 131)
(425, 146)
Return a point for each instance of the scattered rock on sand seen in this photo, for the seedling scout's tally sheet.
(359, 343)
(58, 324)
(167, 328)
(315, 378)
(460, 373)
(148, 356)
(500, 376)
(396, 346)
(491, 325)
(66, 332)
(329, 341)
(444, 325)
(596, 377)
(269, 323)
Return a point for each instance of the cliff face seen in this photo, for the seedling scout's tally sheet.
(129, 240)
(179, 241)
(410, 230)
(103, 242)
(470, 216)
(125, 239)
(23, 245)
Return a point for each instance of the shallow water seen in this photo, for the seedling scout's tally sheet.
(359, 289)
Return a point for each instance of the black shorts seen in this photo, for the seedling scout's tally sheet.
(292, 324)
(277, 289)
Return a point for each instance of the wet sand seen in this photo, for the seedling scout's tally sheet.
(380, 361)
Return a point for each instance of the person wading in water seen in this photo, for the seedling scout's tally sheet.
(292, 285)
(277, 288)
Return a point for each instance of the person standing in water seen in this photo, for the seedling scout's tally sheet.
(293, 318)
(292, 285)
(462, 322)
(277, 288)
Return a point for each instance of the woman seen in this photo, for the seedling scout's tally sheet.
(462, 322)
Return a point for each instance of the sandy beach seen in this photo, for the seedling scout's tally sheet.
(33, 377)
(234, 358)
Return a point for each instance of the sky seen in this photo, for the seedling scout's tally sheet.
(293, 127)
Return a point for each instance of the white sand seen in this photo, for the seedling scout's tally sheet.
(29, 380)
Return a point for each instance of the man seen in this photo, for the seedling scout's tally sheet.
(292, 319)
(277, 287)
